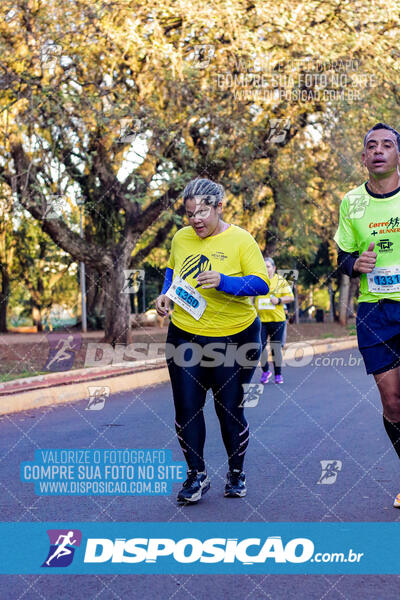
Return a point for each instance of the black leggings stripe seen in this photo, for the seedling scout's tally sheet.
(190, 384)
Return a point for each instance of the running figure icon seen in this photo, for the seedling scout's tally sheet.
(64, 347)
(62, 549)
(330, 470)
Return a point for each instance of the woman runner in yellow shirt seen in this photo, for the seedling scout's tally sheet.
(273, 320)
(214, 336)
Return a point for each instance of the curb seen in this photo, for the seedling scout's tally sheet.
(72, 386)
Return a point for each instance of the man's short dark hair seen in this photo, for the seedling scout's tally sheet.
(383, 126)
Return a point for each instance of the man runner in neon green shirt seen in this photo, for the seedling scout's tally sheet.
(368, 237)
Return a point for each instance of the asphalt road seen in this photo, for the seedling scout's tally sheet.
(326, 410)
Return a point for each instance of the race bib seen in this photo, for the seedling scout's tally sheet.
(265, 304)
(185, 296)
(384, 279)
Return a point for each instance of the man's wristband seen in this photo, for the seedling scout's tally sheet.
(279, 300)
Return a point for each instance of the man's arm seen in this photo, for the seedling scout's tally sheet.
(352, 265)
(346, 262)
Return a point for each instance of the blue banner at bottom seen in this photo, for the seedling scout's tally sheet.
(212, 548)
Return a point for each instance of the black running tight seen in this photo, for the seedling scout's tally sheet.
(191, 377)
(275, 331)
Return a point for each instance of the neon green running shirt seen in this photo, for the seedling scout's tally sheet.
(365, 218)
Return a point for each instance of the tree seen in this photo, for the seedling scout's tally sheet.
(74, 77)
(7, 253)
(44, 270)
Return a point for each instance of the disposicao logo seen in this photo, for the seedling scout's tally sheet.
(63, 543)
(189, 550)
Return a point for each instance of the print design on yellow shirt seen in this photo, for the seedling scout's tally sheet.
(193, 265)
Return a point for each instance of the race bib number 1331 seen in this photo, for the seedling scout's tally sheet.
(384, 279)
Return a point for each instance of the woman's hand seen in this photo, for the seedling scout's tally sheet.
(162, 305)
(209, 279)
(274, 300)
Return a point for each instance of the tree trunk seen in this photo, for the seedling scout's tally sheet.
(4, 294)
(37, 317)
(310, 302)
(46, 315)
(117, 304)
(331, 317)
(344, 298)
(95, 283)
(296, 304)
(272, 233)
(354, 285)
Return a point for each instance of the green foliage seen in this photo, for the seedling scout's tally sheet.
(198, 86)
(43, 274)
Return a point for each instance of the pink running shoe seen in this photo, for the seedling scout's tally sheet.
(278, 379)
(265, 377)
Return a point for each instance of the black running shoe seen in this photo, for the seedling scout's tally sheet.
(196, 484)
(235, 484)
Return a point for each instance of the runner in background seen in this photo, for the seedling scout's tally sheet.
(223, 266)
(273, 320)
(368, 237)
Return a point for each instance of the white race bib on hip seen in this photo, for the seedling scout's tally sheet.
(384, 279)
(187, 297)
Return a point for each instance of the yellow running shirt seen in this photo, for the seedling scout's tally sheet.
(267, 311)
(233, 252)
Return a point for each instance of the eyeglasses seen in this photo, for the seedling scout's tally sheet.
(203, 213)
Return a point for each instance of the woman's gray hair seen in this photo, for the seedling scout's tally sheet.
(208, 191)
(270, 260)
